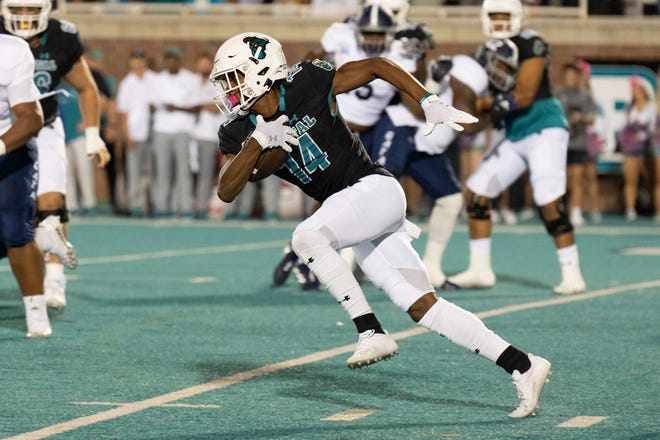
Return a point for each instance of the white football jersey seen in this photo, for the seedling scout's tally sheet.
(468, 71)
(16, 77)
(361, 106)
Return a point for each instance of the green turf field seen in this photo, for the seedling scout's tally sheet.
(173, 331)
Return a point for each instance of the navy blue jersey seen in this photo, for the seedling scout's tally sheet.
(59, 49)
(329, 157)
(530, 44)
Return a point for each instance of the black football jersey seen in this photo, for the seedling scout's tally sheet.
(329, 157)
(531, 44)
(59, 49)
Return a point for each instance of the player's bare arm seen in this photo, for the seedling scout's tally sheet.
(235, 173)
(80, 77)
(355, 74)
(29, 120)
(527, 85)
(465, 99)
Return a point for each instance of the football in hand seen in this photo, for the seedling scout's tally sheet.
(267, 163)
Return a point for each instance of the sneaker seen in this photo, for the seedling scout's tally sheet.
(631, 215)
(36, 317)
(473, 279)
(54, 291)
(529, 386)
(526, 214)
(305, 276)
(572, 281)
(436, 276)
(596, 218)
(495, 216)
(577, 220)
(509, 217)
(371, 348)
(283, 268)
(50, 238)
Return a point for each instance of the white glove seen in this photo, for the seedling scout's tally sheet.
(275, 134)
(437, 112)
(93, 141)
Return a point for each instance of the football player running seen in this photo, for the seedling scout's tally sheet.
(361, 204)
(58, 51)
(517, 62)
(18, 176)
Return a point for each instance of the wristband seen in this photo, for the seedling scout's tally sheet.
(3, 147)
(425, 98)
(504, 103)
(92, 131)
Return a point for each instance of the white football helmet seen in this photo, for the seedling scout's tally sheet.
(374, 30)
(505, 28)
(398, 9)
(245, 68)
(25, 25)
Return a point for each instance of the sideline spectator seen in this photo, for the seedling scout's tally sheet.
(174, 99)
(80, 188)
(133, 97)
(580, 112)
(635, 142)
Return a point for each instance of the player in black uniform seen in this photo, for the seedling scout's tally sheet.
(362, 205)
(517, 62)
(58, 51)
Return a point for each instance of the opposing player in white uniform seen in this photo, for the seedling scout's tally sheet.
(21, 117)
(517, 62)
(403, 148)
(58, 52)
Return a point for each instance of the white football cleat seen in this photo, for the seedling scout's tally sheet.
(371, 348)
(50, 238)
(36, 317)
(479, 274)
(436, 276)
(54, 291)
(529, 386)
(572, 281)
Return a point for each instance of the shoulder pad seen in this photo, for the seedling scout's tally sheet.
(68, 27)
(323, 64)
(528, 34)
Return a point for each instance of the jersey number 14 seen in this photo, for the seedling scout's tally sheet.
(312, 156)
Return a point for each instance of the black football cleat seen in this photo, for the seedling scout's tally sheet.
(283, 268)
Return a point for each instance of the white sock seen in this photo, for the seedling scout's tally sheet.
(54, 270)
(463, 328)
(480, 246)
(331, 270)
(441, 225)
(568, 255)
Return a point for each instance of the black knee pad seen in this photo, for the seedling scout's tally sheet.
(62, 213)
(479, 208)
(558, 226)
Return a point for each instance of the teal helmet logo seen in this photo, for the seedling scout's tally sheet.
(257, 46)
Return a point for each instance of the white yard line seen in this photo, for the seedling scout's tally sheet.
(581, 422)
(349, 415)
(174, 405)
(128, 258)
(233, 379)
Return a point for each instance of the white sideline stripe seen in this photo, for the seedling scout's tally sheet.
(349, 414)
(202, 280)
(581, 422)
(175, 405)
(128, 258)
(641, 251)
(226, 381)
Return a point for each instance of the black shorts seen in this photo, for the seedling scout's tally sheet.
(577, 157)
